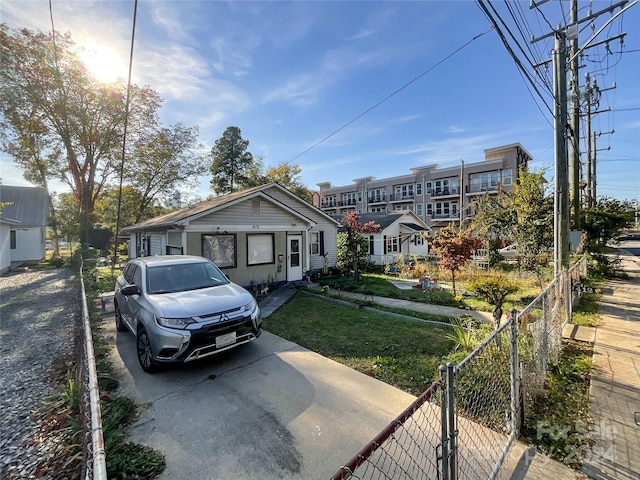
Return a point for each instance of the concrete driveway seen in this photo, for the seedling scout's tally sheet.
(268, 410)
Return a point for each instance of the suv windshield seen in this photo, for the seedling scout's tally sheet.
(180, 278)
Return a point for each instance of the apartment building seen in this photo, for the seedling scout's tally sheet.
(437, 195)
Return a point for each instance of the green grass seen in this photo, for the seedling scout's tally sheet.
(402, 353)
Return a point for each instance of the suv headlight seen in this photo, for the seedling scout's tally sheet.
(250, 307)
(180, 323)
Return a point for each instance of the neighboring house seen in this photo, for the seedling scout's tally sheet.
(259, 236)
(401, 235)
(438, 196)
(6, 224)
(26, 221)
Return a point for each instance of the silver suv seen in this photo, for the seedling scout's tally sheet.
(181, 308)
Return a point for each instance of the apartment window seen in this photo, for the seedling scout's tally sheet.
(446, 186)
(260, 248)
(359, 196)
(377, 195)
(429, 209)
(378, 209)
(349, 198)
(419, 188)
(404, 191)
(507, 178)
(221, 249)
(484, 181)
(419, 209)
(429, 187)
(446, 209)
(12, 239)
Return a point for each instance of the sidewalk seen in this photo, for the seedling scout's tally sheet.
(615, 386)
(452, 312)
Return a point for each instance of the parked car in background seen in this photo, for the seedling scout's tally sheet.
(510, 252)
(181, 308)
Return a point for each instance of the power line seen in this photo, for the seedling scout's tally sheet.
(389, 96)
(124, 136)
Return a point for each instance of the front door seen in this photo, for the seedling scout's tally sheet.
(294, 258)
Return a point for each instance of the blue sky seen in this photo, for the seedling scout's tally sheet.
(288, 74)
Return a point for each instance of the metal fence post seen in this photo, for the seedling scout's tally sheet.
(444, 393)
(451, 414)
(515, 374)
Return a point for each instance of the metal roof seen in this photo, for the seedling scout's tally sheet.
(29, 205)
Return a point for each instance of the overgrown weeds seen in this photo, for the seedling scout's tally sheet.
(558, 420)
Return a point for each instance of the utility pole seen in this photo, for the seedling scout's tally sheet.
(576, 167)
(561, 197)
(587, 92)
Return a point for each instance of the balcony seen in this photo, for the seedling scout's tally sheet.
(445, 216)
(444, 192)
(480, 189)
(378, 199)
(347, 203)
(402, 198)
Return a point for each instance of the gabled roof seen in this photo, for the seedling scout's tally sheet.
(29, 205)
(386, 219)
(192, 212)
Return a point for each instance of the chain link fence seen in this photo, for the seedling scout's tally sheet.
(463, 426)
(409, 447)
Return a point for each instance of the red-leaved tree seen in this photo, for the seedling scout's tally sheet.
(454, 249)
(353, 248)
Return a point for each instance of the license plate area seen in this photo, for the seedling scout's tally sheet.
(226, 339)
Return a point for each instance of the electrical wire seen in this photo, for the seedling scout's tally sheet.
(124, 136)
(392, 94)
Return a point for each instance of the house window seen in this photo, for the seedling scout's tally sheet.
(392, 244)
(371, 243)
(419, 209)
(418, 240)
(315, 243)
(260, 248)
(419, 188)
(12, 239)
(221, 249)
(255, 208)
(507, 178)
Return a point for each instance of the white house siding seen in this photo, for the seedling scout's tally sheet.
(323, 224)
(5, 244)
(30, 245)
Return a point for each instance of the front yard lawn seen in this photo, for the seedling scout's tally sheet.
(402, 353)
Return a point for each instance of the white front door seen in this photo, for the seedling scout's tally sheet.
(294, 258)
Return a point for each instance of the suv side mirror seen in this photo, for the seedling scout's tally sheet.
(130, 290)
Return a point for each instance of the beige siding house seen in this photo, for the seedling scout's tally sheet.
(263, 235)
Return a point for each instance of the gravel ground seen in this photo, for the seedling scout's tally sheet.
(38, 311)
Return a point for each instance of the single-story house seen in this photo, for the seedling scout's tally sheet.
(260, 236)
(25, 220)
(402, 234)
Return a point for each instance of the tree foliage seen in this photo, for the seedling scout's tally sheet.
(160, 163)
(46, 91)
(495, 289)
(523, 215)
(231, 162)
(352, 244)
(454, 248)
(289, 176)
(606, 221)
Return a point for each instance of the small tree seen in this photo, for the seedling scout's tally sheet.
(454, 249)
(495, 290)
(352, 245)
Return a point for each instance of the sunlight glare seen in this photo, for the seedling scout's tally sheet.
(103, 63)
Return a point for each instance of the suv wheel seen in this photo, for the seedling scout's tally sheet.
(145, 357)
(120, 326)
